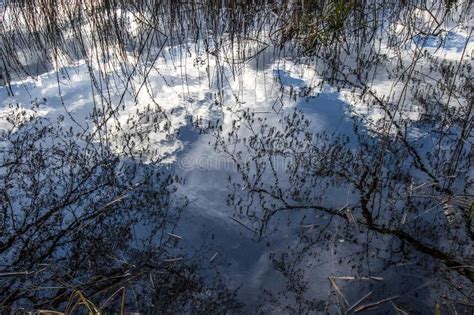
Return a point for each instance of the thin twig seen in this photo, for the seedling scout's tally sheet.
(338, 291)
(359, 301)
(371, 305)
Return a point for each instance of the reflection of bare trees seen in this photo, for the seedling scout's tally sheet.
(398, 190)
(380, 199)
(76, 217)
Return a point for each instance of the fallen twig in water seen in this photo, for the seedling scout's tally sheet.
(359, 301)
(174, 235)
(371, 305)
(358, 278)
(213, 257)
(398, 309)
(338, 291)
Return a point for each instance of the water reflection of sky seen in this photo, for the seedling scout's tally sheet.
(270, 86)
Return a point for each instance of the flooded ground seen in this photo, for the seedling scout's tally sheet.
(279, 157)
